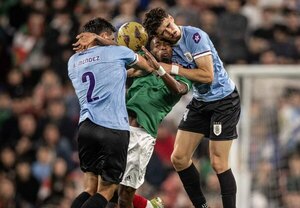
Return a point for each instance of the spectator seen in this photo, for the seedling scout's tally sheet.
(27, 186)
(41, 168)
(232, 32)
(184, 9)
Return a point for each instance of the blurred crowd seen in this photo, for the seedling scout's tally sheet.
(39, 110)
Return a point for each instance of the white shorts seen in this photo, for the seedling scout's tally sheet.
(140, 149)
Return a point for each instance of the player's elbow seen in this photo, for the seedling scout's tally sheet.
(180, 89)
(209, 79)
(205, 78)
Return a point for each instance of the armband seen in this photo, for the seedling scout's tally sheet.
(174, 69)
(161, 71)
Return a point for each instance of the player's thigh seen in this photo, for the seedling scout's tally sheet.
(126, 194)
(225, 117)
(219, 154)
(116, 156)
(90, 182)
(140, 149)
(103, 151)
(220, 149)
(185, 144)
(106, 189)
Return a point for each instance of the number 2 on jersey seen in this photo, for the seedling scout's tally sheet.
(91, 86)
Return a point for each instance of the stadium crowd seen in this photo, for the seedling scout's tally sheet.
(39, 110)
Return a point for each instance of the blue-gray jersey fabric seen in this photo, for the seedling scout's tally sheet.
(98, 76)
(193, 44)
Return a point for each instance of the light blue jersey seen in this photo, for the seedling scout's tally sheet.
(193, 44)
(98, 76)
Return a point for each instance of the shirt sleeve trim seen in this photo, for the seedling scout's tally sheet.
(197, 55)
(134, 61)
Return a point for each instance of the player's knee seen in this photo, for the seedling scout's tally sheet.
(218, 164)
(180, 162)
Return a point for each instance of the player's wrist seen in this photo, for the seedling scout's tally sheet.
(161, 71)
(174, 69)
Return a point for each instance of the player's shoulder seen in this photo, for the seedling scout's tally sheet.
(119, 49)
(191, 31)
(71, 59)
(116, 47)
(194, 34)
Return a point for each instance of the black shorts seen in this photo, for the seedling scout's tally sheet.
(103, 151)
(217, 120)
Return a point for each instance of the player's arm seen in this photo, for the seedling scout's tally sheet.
(172, 84)
(132, 72)
(86, 38)
(204, 73)
(141, 64)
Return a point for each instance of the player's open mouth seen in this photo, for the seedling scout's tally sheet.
(165, 55)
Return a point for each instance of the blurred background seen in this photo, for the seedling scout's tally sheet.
(259, 42)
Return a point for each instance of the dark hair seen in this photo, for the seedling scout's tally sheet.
(98, 25)
(150, 38)
(153, 20)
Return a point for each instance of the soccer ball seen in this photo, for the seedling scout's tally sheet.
(132, 35)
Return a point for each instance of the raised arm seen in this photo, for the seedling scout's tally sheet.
(86, 38)
(204, 73)
(172, 84)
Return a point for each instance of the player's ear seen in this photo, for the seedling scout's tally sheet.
(171, 18)
(105, 35)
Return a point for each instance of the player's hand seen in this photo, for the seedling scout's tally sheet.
(150, 59)
(84, 40)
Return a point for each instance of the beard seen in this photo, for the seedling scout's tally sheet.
(166, 60)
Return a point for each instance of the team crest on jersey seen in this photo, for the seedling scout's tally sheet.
(196, 37)
(189, 56)
(217, 128)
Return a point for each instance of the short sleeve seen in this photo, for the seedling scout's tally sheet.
(128, 56)
(199, 43)
(71, 66)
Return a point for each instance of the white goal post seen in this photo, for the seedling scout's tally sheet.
(246, 78)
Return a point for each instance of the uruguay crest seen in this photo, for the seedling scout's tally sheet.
(217, 128)
(189, 56)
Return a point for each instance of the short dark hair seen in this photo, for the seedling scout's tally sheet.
(153, 20)
(98, 25)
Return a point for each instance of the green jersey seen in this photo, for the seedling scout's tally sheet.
(151, 100)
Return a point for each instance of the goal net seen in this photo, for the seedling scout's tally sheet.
(266, 157)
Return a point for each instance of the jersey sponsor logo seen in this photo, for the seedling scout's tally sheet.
(189, 56)
(128, 178)
(217, 128)
(196, 37)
